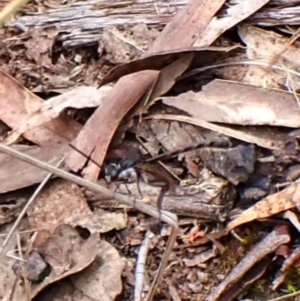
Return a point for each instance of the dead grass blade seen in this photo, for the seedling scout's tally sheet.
(141, 265)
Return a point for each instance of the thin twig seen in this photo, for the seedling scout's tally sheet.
(163, 263)
(165, 216)
(288, 296)
(140, 266)
(292, 217)
(23, 212)
(237, 63)
(10, 9)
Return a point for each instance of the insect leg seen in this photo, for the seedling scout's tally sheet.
(138, 180)
(160, 198)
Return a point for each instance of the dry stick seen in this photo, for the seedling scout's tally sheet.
(165, 216)
(23, 212)
(140, 266)
(285, 297)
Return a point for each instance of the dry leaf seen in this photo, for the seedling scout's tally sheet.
(102, 279)
(115, 106)
(66, 253)
(237, 134)
(234, 103)
(160, 60)
(100, 221)
(189, 23)
(272, 204)
(79, 98)
(165, 82)
(16, 102)
(16, 174)
(233, 15)
(58, 203)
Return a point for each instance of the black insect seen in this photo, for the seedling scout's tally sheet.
(143, 169)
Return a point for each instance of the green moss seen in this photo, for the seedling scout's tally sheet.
(292, 280)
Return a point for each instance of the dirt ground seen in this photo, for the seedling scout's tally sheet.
(175, 127)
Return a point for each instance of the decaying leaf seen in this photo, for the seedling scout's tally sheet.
(16, 102)
(172, 135)
(79, 98)
(234, 103)
(16, 174)
(269, 206)
(101, 281)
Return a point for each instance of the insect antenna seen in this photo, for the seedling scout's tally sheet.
(89, 158)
